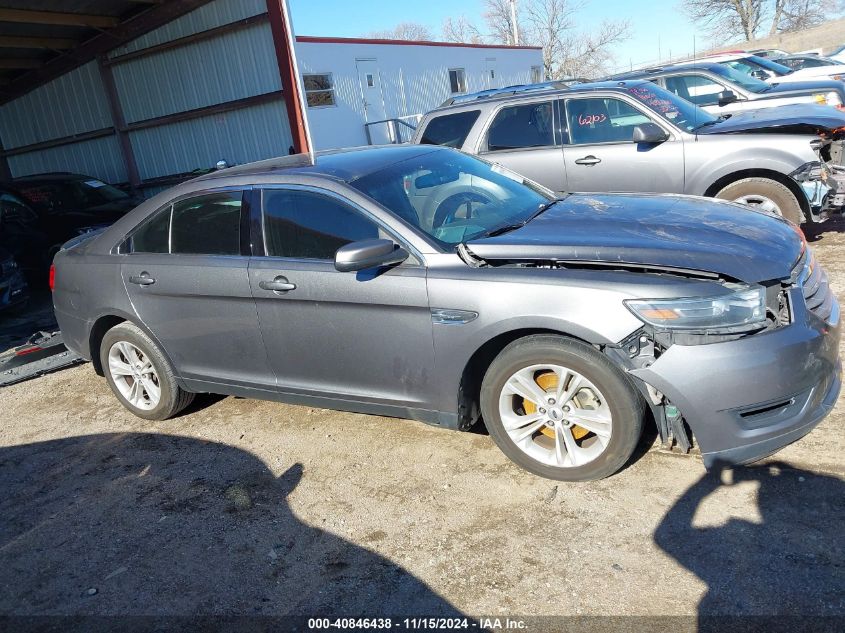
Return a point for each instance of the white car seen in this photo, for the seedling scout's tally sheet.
(838, 54)
(776, 73)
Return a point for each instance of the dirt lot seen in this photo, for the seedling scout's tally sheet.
(246, 507)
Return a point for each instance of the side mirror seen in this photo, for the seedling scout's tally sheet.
(368, 254)
(649, 133)
(726, 97)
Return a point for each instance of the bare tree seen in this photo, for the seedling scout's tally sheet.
(744, 18)
(404, 31)
(460, 30)
(590, 54)
(795, 15)
(549, 22)
(500, 20)
(727, 18)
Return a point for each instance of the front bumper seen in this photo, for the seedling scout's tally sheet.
(748, 398)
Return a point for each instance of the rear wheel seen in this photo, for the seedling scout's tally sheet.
(139, 374)
(560, 409)
(765, 194)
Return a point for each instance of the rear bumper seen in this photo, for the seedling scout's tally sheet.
(75, 332)
(746, 399)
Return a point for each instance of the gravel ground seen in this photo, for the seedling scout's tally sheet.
(247, 507)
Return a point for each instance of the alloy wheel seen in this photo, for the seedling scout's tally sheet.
(760, 202)
(555, 415)
(134, 375)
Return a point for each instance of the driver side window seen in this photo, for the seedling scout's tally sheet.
(596, 120)
(696, 89)
(308, 225)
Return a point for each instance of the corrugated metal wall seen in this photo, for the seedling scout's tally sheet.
(232, 65)
(239, 136)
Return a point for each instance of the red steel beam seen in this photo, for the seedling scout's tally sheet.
(283, 43)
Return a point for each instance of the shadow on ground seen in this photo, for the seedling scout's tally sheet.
(16, 326)
(792, 561)
(816, 232)
(156, 524)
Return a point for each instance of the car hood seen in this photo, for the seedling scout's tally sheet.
(798, 118)
(660, 231)
(803, 87)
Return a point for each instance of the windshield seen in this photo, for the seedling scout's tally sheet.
(71, 194)
(768, 64)
(453, 197)
(670, 106)
(746, 81)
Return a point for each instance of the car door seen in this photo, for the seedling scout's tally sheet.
(704, 92)
(363, 337)
(600, 154)
(526, 138)
(186, 270)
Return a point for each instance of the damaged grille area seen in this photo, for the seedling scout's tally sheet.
(815, 287)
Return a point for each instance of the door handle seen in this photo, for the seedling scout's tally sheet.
(588, 160)
(143, 279)
(279, 284)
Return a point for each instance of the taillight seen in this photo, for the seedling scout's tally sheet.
(52, 277)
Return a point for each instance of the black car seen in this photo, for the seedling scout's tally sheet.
(71, 204)
(14, 291)
(21, 237)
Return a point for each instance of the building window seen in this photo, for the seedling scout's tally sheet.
(319, 90)
(536, 74)
(457, 80)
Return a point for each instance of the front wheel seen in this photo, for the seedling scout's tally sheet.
(140, 375)
(764, 194)
(559, 409)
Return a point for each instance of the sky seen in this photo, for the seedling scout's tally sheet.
(657, 26)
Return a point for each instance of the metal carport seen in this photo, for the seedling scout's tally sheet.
(142, 92)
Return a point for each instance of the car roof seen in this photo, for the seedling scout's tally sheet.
(344, 165)
(518, 96)
(657, 70)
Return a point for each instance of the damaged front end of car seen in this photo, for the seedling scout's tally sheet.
(823, 181)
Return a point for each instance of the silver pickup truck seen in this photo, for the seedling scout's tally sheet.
(634, 136)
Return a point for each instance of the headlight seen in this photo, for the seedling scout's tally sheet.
(743, 309)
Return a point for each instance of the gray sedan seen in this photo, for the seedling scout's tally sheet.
(423, 283)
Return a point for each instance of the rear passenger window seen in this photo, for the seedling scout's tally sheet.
(450, 130)
(154, 235)
(308, 225)
(207, 225)
(204, 225)
(517, 127)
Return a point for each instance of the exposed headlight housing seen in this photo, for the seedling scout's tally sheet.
(742, 310)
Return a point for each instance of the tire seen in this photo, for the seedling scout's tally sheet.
(172, 398)
(607, 386)
(770, 192)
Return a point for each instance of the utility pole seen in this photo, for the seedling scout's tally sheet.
(513, 23)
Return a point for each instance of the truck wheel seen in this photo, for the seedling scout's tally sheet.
(765, 194)
(559, 409)
(139, 374)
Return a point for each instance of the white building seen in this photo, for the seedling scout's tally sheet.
(352, 82)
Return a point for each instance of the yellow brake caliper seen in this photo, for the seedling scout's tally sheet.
(548, 383)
